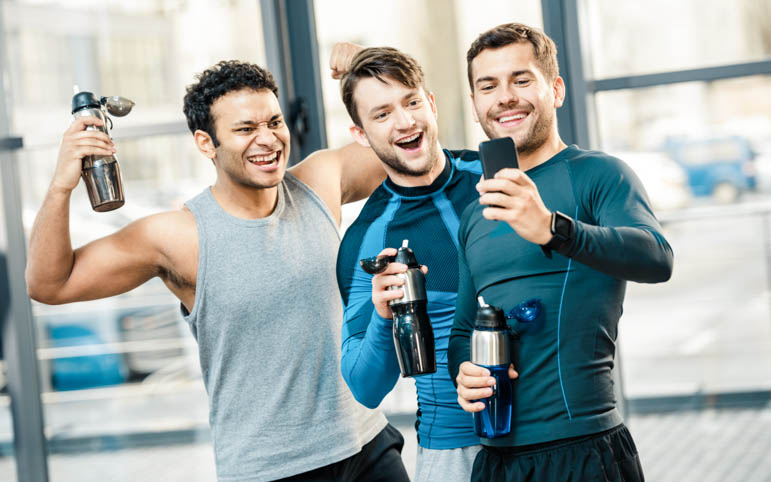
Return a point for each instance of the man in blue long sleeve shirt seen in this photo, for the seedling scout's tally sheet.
(421, 200)
(568, 228)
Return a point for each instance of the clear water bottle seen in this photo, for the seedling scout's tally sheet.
(490, 349)
(101, 174)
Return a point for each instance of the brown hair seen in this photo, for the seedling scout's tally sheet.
(379, 62)
(543, 47)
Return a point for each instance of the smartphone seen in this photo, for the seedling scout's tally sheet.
(497, 154)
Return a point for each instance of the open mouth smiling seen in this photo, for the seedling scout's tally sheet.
(511, 118)
(265, 160)
(410, 142)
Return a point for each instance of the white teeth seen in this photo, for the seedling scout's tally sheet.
(511, 118)
(263, 159)
(409, 139)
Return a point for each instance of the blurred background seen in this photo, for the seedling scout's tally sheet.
(681, 91)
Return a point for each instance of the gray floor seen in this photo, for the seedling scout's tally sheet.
(703, 446)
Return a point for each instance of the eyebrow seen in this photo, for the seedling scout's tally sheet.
(412, 93)
(516, 73)
(252, 122)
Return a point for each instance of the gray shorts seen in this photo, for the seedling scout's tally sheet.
(448, 465)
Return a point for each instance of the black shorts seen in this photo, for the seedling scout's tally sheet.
(379, 461)
(605, 456)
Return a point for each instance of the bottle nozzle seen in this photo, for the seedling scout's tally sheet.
(75, 89)
(405, 243)
(481, 301)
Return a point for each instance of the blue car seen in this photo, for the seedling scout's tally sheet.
(719, 167)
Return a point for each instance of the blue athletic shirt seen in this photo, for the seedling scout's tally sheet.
(429, 217)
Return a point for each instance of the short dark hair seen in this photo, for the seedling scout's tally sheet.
(379, 62)
(220, 79)
(543, 47)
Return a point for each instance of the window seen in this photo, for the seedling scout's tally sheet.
(125, 368)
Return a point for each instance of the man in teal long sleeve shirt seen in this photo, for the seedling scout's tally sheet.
(569, 228)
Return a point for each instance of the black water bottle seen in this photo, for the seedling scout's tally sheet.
(413, 335)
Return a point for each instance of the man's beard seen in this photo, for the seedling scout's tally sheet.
(391, 159)
(534, 138)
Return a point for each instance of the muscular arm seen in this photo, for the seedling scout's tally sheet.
(105, 267)
(341, 176)
(346, 174)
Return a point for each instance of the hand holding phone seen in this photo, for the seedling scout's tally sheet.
(497, 154)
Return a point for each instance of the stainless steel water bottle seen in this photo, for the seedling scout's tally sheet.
(490, 349)
(412, 332)
(101, 174)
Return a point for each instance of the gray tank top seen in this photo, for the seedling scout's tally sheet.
(267, 317)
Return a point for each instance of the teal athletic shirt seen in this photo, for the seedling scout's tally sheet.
(429, 217)
(565, 357)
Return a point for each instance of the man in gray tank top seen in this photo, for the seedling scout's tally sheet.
(252, 260)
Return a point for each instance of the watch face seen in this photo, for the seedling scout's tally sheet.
(561, 225)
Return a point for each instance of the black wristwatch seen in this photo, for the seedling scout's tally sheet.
(561, 227)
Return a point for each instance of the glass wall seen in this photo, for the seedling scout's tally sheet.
(120, 372)
(659, 36)
(703, 151)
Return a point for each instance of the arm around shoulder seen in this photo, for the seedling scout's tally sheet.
(345, 174)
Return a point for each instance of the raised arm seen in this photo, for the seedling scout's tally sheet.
(623, 238)
(108, 266)
(346, 174)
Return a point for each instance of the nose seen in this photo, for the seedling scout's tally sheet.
(508, 95)
(403, 119)
(264, 136)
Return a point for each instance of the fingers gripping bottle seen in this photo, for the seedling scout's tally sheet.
(101, 174)
(413, 335)
(490, 349)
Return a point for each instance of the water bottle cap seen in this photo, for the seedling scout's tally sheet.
(84, 100)
(406, 256)
(490, 317)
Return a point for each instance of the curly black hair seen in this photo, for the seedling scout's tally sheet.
(224, 77)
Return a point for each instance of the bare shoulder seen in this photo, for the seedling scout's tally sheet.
(321, 170)
(341, 175)
(174, 235)
(170, 230)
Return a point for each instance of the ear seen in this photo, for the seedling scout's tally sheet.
(432, 103)
(473, 108)
(205, 144)
(559, 92)
(358, 135)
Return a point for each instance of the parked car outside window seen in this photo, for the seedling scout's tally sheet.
(721, 167)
